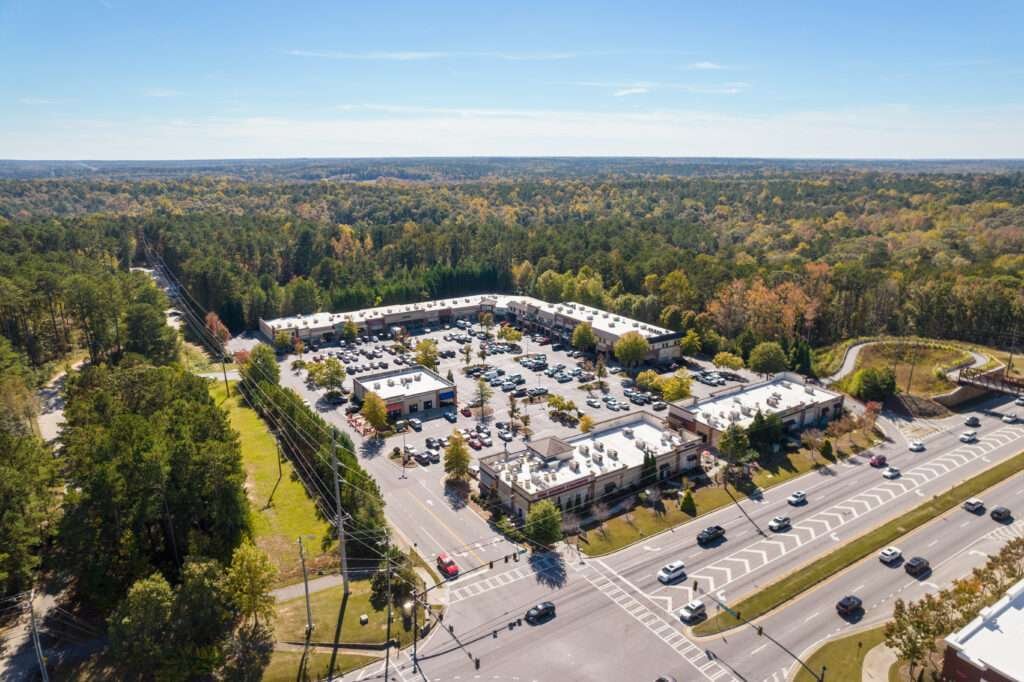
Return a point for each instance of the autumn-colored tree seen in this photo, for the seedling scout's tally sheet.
(727, 360)
(586, 423)
(631, 348)
(690, 344)
(583, 336)
(217, 328)
(374, 411)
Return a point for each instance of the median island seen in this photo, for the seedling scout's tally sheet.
(806, 577)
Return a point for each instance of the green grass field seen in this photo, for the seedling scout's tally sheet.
(778, 593)
(843, 658)
(325, 605)
(292, 513)
(916, 364)
(284, 665)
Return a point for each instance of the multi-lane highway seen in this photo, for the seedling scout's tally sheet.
(616, 621)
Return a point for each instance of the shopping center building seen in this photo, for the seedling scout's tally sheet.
(578, 471)
(406, 391)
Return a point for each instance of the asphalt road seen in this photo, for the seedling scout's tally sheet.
(626, 618)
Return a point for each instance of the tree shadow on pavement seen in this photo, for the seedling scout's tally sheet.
(372, 447)
(548, 568)
(457, 494)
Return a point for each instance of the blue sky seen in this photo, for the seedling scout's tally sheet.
(113, 79)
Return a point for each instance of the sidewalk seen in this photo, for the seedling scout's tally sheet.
(877, 663)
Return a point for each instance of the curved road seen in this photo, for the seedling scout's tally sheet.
(850, 361)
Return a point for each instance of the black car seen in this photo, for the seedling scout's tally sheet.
(848, 605)
(541, 612)
(1000, 514)
(917, 566)
(972, 421)
(710, 534)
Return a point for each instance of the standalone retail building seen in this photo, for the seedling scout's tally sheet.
(407, 390)
(989, 647)
(598, 465)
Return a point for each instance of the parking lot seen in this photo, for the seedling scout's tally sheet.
(501, 366)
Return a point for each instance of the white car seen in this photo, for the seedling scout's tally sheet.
(1009, 419)
(672, 572)
(891, 473)
(779, 524)
(693, 611)
(1019, 401)
(593, 402)
(889, 555)
(968, 436)
(797, 498)
(916, 446)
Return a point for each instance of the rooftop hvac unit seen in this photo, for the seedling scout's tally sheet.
(604, 314)
(611, 324)
(641, 445)
(616, 318)
(599, 446)
(584, 449)
(574, 465)
(628, 432)
(614, 454)
(391, 382)
(417, 377)
(376, 385)
(636, 324)
(590, 317)
(598, 458)
(810, 391)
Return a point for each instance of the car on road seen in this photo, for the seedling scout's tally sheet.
(540, 613)
(797, 498)
(916, 446)
(710, 534)
(1009, 419)
(447, 566)
(975, 506)
(877, 460)
(891, 473)
(972, 421)
(968, 436)
(780, 524)
(693, 611)
(890, 555)
(1001, 514)
(917, 566)
(451, 416)
(848, 605)
(671, 572)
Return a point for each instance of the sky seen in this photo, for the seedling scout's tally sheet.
(115, 79)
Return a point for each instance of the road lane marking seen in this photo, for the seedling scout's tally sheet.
(933, 543)
(812, 616)
(760, 648)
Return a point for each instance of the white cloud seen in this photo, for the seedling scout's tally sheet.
(161, 92)
(706, 66)
(638, 87)
(630, 91)
(881, 132)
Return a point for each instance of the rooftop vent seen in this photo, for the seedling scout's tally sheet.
(613, 453)
(376, 386)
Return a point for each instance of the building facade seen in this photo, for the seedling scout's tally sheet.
(407, 390)
(576, 472)
(798, 403)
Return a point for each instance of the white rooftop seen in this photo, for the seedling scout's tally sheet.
(603, 321)
(992, 641)
(398, 383)
(781, 393)
(612, 445)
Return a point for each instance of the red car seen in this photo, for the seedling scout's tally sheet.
(466, 412)
(447, 565)
(877, 460)
(475, 443)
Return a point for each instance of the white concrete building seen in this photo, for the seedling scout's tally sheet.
(407, 390)
(989, 647)
(799, 404)
(556, 319)
(577, 471)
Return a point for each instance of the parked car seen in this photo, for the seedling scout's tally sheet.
(505, 436)
(450, 416)
(540, 613)
(890, 555)
(797, 498)
(466, 412)
(593, 402)
(671, 572)
(917, 566)
(710, 534)
(848, 605)
(659, 405)
(447, 566)
(693, 611)
(780, 524)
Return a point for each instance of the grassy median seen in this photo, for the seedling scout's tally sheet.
(284, 665)
(808, 576)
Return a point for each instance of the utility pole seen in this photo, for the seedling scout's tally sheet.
(340, 519)
(280, 473)
(913, 363)
(415, 631)
(387, 638)
(305, 584)
(35, 637)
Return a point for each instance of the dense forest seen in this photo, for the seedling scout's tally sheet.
(817, 256)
